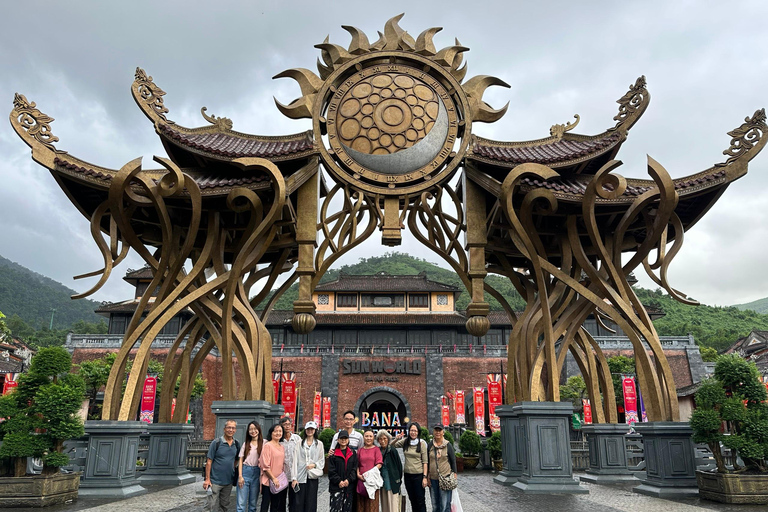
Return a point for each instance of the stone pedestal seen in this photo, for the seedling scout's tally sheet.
(670, 460)
(547, 466)
(110, 468)
(244, 412)
(167, 457)
(607, 454)
(511, 436)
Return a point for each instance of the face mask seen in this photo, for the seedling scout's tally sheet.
(414, 442)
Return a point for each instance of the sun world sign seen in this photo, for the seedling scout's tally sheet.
(401, 367)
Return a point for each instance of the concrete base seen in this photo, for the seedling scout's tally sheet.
(110, 468)
(670, 461)
(550, 486)
(543, 445)
(167, 458)
(607, 454)
(244, 412)
(510, 452)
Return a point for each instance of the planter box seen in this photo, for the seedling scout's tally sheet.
(733, 487)
(38, 490)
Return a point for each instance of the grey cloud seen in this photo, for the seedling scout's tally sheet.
(704, 62)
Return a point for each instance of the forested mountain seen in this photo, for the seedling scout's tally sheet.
(758, 306)
(32, 296)
(716, 327)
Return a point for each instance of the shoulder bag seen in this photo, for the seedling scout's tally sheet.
(447, 482)
(282, 483)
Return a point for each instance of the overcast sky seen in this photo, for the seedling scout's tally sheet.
(706, 64)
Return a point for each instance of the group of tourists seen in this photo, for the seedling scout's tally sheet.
(365, 471)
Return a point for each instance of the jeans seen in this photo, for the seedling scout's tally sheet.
(249, 494)
(441, 500)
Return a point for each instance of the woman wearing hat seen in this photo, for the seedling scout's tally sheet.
(442, 465)
(308, 463)
(391, 473)
(342, 475)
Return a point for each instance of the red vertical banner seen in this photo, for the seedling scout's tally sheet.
(494, 400)
(148, 400)
(459, 403)
(326, 412)
(173, 406)
(587, 411)
(317, 409)
(289, 394)
(479, 399)
(276, 385)
(445, 413)
(630, 400)
(9, 385)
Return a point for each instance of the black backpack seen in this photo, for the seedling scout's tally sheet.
(217, 443)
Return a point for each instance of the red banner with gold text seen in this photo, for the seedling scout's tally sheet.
(276, 385)
(494, 400)
(587, 411)
(326, 412)
(147, 413)
(289, 394)
(317, 409)
(445, 413)
(630, 400)
(459, 403)
(479, 399)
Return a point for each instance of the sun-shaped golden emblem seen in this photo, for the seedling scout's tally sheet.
(391, 117)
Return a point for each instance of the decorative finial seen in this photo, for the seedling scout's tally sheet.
(558, 130)
(222, 123)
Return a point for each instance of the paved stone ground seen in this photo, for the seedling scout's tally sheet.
(477, 490)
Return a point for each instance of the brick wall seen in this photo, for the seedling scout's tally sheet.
(466, 373)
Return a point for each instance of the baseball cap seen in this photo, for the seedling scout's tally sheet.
(310, 424)
(438, 427)
(343, 435)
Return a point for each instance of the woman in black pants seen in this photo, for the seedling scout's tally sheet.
(308, 464)
(416, 459)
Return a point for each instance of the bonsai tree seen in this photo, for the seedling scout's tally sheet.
(448, 436)
(494, 445)
(734, 396)
(40, 413)
(469, 443)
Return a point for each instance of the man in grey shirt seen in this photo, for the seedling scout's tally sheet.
(355, 437)
(220, 468)
(289, 442)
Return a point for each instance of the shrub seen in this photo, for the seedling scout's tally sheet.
(449, 436)
(737, 396)
(326, 436)
(494, 445)
(469, 443)
(41, 412)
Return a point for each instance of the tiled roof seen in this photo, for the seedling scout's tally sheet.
(383, 282)
(61, 162)
(234, 146)
(142, 273)
(548, 153)
(577, 185)
(128, 306)
(213, 180)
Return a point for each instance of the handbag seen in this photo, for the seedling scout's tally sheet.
(314, 473)
(282, 483)
(448, 482)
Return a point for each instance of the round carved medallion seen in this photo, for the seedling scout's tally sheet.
(392, 128)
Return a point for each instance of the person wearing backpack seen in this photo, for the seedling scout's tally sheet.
(220, 469)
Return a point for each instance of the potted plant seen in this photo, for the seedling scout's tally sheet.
(735, 397)
(325, 437)
(39, 416)
(494, 448)
(470, 446)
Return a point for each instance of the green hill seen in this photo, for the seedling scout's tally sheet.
(758, 306)
(32, 296)
(716, 327)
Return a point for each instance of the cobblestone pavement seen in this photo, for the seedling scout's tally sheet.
(477, 490)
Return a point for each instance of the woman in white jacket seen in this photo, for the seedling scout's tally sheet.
(308, 464)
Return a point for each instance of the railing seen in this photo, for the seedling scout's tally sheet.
(197, 454)
(579, 455)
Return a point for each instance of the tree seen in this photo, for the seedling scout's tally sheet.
(620, 365)
(574, 390)
(40, 413)
(4, 330)
(708, 354)
(734, 395)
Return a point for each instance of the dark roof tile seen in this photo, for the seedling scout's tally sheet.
(548, 153)
(235, 146)
(383, 282)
